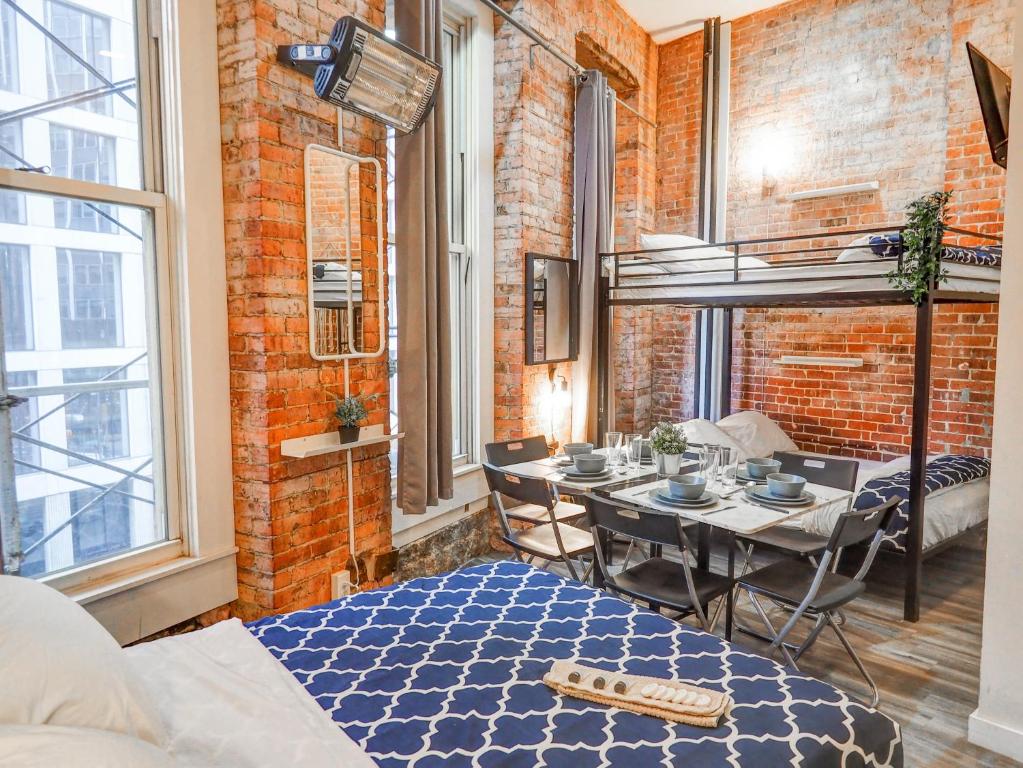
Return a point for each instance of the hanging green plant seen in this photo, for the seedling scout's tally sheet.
(921, 241)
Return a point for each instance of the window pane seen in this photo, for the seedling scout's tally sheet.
(75, 80)
(87, 445)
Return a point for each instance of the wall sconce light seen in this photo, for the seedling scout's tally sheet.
(558, 403)
(361, 70)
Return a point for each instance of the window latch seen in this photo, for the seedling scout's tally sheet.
(8, 401)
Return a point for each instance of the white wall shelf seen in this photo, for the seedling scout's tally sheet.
(318, 445)
(845, 189)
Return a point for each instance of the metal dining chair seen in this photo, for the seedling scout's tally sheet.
(552, 541)
(817, 592)
(533, 448)
(657, 581)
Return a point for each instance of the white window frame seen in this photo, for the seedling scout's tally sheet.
(143, 591)
(471, 493)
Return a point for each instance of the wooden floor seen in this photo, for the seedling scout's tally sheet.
(927, 672)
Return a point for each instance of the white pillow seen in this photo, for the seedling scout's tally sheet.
(49, 746)
(763, 439)
(852, 253)
(704, 432)
(59, 666)
(682, 241)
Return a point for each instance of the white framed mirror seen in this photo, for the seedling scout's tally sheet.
(344, 254)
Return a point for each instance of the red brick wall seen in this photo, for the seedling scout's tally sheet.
(291, 515)
(533, 187)
(828, 93)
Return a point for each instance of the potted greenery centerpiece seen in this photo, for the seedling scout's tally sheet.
(921, 241)
(668, 443)
(349, 412)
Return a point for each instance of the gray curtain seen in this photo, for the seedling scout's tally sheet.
(594, 187)
(421, 236)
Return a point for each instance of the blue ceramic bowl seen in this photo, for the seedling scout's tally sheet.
(759, 469)
(571, 449)
(590, 462)
(687, 486)
(785, 485)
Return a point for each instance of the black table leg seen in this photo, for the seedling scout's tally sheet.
(729, 598)
(606, 545)
(703, 547)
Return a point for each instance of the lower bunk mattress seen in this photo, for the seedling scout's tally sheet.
(447, 671)
(958, 488)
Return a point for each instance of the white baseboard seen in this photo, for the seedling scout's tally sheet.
(998, 737)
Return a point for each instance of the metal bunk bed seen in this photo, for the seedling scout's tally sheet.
(801, 274)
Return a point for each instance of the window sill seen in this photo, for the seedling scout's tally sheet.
(142, 602)
(471, 495)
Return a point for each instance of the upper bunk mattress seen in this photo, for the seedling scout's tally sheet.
(447, 671)
(649, 282)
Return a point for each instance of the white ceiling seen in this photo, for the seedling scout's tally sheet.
(668, 19)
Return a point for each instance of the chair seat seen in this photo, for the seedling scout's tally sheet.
(540, 540)
(663, 582)
(789, 582)
(788, 540)
(564, 512)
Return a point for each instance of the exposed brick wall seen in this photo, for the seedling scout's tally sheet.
(533, 123)
(828, 93)
(290, 515)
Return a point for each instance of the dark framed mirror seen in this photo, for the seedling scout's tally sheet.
(552, 309)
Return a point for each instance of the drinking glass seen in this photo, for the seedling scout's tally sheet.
(613, 444)
(728, 462)
(709, 461)
(633, 450)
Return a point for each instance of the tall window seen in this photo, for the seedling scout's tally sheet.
(88, 64)
(85, 156)
(456, 61)
(82, 294)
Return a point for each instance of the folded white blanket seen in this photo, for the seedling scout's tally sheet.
(226, 701)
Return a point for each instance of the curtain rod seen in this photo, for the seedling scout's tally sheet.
(556, 52)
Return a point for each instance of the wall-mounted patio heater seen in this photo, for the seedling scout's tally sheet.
(360, 70)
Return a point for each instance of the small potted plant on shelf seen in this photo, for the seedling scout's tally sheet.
(668, 443)
(349, 412)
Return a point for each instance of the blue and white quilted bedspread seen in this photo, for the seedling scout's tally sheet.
(942, 472)
(447, 671)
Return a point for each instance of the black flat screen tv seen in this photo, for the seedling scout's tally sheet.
(994, 88)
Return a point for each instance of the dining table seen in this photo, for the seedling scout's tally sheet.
(734, 513)
(552, 469)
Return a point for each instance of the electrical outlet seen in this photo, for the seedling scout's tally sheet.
(341, 585)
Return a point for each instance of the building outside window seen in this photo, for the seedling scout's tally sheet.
(8, 49)
(86, 156)
(89, 291)
(88, 37)
(85, 278)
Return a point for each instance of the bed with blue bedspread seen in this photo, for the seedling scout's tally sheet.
(447, 671)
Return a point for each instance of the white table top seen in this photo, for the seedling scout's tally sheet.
(550, 470)
(736, 513)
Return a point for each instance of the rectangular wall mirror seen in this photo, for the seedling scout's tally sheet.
(552, 309)
(345, 253)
